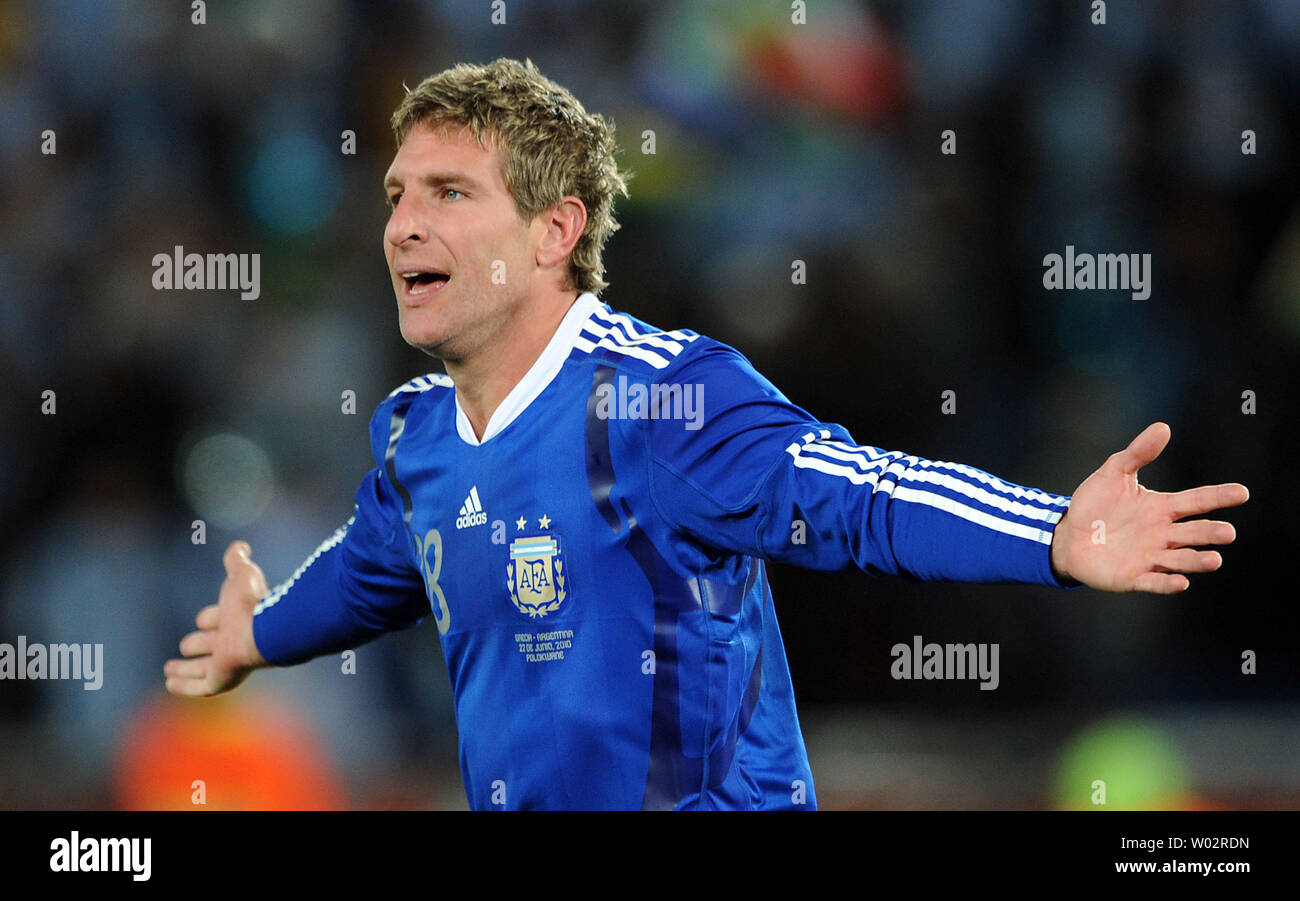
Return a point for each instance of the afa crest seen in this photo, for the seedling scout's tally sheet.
(535, 575)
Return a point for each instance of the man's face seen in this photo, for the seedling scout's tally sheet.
(460, 258)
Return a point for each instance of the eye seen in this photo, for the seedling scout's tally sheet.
(392, 200)
(449, 192)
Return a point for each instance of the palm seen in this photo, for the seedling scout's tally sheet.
(222, 653)
(1120, 536)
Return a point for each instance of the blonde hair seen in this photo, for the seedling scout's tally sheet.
(551, 145)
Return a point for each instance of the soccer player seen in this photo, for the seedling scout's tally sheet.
(584, 503)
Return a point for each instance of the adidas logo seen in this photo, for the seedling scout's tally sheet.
(471, 512)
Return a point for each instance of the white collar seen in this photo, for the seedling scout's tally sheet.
(534, 382)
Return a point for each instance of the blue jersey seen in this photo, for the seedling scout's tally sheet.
(595, 564)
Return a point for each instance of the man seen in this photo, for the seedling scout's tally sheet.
(584, 503)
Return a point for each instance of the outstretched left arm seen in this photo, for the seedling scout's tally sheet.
(1118, 535)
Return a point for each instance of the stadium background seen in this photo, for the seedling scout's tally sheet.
(773, 142)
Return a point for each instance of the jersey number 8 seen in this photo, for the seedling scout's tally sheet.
(437, 600)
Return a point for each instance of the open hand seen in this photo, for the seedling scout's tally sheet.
(222, 653)
(1120, 536)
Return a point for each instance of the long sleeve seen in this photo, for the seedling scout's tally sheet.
(360, 583)
(757, 475)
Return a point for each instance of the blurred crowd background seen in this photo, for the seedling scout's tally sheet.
(773, 142)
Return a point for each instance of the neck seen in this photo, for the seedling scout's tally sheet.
(484, 380)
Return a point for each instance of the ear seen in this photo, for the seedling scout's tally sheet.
(562, 225)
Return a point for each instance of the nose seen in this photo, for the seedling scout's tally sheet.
(405, 223)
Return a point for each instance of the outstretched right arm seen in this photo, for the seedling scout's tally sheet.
(361, 582)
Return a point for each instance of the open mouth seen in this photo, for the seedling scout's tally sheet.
(421, 281)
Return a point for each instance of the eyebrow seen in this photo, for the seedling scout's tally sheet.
(436, 180)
